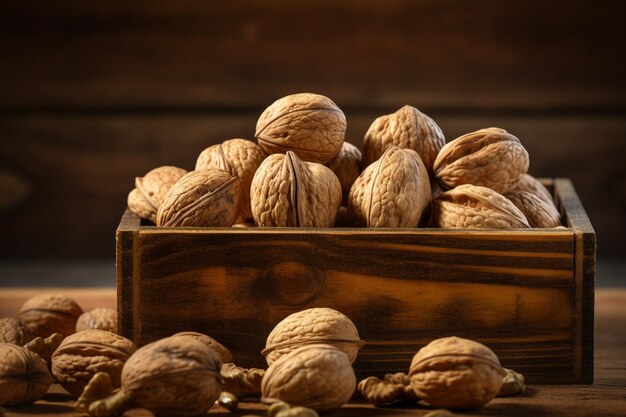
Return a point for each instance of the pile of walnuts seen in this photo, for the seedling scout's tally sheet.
(303, 174)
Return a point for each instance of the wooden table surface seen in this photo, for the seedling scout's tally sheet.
(606, 397)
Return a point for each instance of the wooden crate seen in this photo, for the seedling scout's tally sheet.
(527, 294)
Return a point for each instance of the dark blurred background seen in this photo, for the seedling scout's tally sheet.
(93, 94)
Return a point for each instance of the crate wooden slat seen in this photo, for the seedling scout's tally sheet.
(527, 294)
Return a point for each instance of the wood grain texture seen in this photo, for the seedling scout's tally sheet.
(514, 290)
(604, 398)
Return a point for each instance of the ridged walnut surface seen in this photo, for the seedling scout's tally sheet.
(150, 190)
(24, 376)
(83, 354)
(312, 326)
(347, 167)
(474, 207)
(203, 198)
(240, 158)
(392, 192)
(456, 373)
(314, 376)
(537, 211)
(532, 185)
(489, 157)
(98, 319)
(222, 351)
(15, 332)
(406, 128)
(288, 192)
(45, 314)
(311, 125)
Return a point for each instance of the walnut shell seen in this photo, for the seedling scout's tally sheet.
(489, 157)
(316, 376)
(474, 207)
(24, 376)
(313, 326)
(204, 198)
(288, 192)
(392, 192)
(308, 124)
(175, 376)
(532, 185)
(150, 190)
(14, 332)
(98, 319)
(45, 314)
(537, 211)
(240, 158)
(456, 373)
(81, 355)
(407, 128)
(347, 167)
(222, 351)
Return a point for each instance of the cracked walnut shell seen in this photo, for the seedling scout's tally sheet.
(204, 198)
(316, 376)
(150, 190)
(407, 128)
(24, 376)
(313, 326)
(240, 158)
(489, 157)
(456, 373)
(288, 192)
(311, 125)
(45, 314)
(392, 192)
(474, 207)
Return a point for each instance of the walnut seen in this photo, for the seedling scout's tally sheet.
(512, 383)
(15, 332)
(241, 382)
(313, 326)
(532, 185)
(222, 351)
(175, 376)
(308, 124)
(98, 319)
(24, 376)
(392, 192)
(536, 210)
(150, 190)
(45, 314)
(347, 167)
(81, 355)
(394, 388)
(489, 157)
(240, 158)
(474, 207)
(288, 192)
(282, 409)
(456, 373)
(406, 128)
(316, 376)
(204, 198)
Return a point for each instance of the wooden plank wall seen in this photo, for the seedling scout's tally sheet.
(93, 94)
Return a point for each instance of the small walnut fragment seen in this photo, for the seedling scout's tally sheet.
(537, 211)
(311, 125)
(98, 319)
(407, 128)
(150, 190)
(240, 381)
(45, 347)
(227, 400)
(489, 157)
(14, 331)
(45, 314)
(474, 207)
(393, 388)
(456, 373)
(512, 383)
(24, 376)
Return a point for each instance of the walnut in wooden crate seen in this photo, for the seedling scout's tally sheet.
(532, 185)
(537, 211)
(311, 125)
(289, 192)
(347, 167)
(14, 331)
(81, 355)
(474, 207)
(240, 158)
(203, 198)
(24, 376)
(313, 326)
(150, 190)
(222, 351)
(175, 376)
(45, 314)
(489, 157)
(392, 192)
(406, 128)
(317, 376)
(456, 373)
(102, 318)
